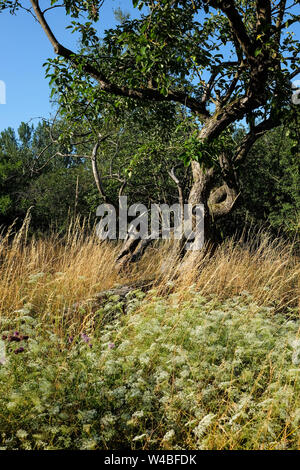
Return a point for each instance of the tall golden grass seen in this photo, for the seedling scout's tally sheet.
(55, 272)
(265, 267)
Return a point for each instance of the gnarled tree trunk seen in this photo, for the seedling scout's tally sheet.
(217, 201)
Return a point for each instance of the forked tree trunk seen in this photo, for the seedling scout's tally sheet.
(218, 202)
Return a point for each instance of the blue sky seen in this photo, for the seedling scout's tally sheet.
(24, 49)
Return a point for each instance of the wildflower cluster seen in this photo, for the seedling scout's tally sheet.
(174, 373)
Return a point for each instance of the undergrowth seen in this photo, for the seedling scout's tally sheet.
(209, 358)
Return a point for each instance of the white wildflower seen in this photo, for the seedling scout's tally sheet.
(169, 435)
(296, 352)
(139, 438)
(21, 434)
(138, 414)
(3, 358)
(205, 422)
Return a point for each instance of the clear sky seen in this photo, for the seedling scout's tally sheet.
(23, 50)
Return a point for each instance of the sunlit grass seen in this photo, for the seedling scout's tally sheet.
(207, 359)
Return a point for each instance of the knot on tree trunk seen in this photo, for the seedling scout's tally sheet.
(222, 200)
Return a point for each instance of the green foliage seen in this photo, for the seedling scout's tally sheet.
(171, 374)
(11, 168)
(31, 178)
(270, 179)
(207, 152)
(176, 46)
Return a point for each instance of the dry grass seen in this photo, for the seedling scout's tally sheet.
(267, 269)
(53, 273)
